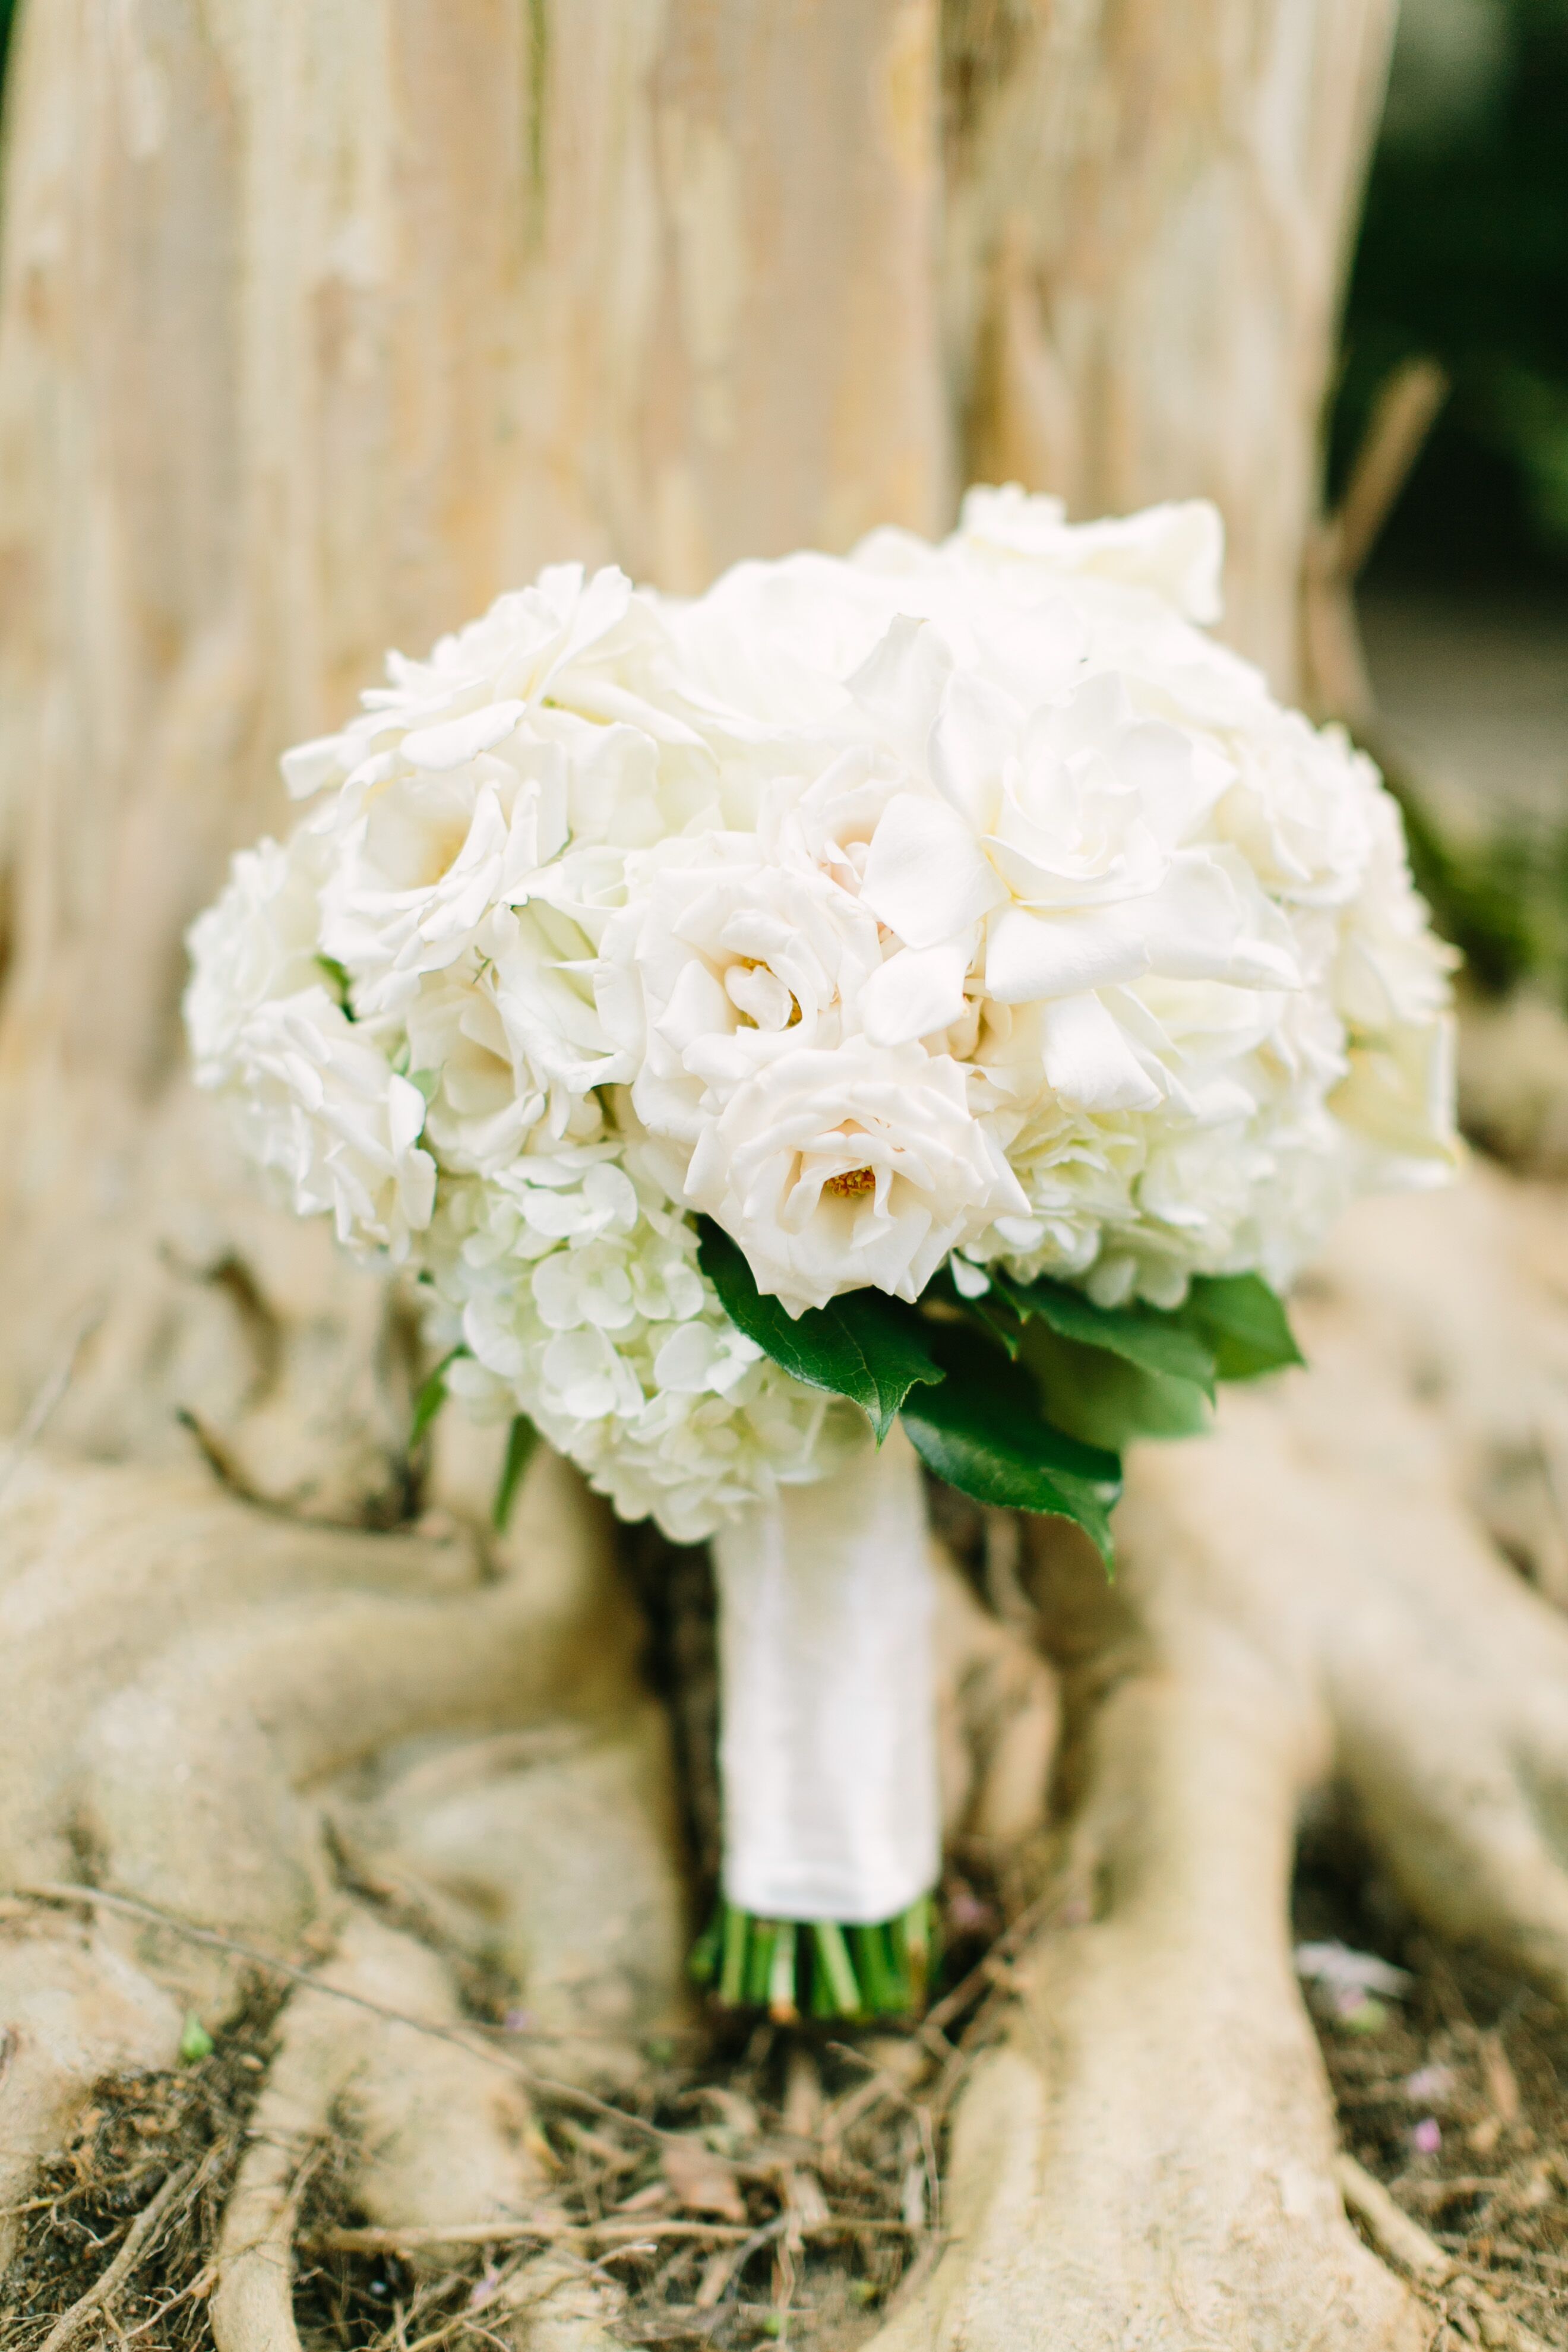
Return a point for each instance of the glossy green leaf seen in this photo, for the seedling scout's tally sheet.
(865, 1346)
(984, 1431)
(1160, 1343)
(1243, 1321)
(1106, 1400)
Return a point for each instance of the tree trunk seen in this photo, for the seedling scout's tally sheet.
(319, 325)
(1149, 222)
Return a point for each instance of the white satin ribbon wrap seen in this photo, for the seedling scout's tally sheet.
(828, 1742)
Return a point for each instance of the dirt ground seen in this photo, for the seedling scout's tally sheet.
(1453, 2092)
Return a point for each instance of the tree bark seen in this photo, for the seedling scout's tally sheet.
(1149, 221)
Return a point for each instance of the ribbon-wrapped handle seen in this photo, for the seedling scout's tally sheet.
(828, 1744)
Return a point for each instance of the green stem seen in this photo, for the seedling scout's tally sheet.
(702, 1965)
(879, 1981)
(915, 1935)
(732, 1974)
(786, 1966)
(782, 2003)
(831, 1955)
(759, 1962)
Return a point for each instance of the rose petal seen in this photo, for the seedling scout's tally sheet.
(457, 740)
(975, 733)
(926, 875)
(1088, 1060)
(899, 685)
(915, 992)
(309, 766)
(1030, 956)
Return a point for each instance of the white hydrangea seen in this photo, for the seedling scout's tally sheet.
(572, 1284)
(960, 903)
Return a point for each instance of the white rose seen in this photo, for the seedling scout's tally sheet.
(1177, 551)
(561, 638)
(260, 939)
(723, 960)
(835, 1169)
(512, 1048)
(430, 852)
(1072, 835)
(326, 1113)
(316, 1101)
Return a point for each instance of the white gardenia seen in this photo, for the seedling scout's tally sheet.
(937, 905)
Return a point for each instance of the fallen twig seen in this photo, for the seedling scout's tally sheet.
(632, 2231)
(1406, 2242)
(1395, 2233)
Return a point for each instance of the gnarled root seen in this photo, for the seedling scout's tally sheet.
(441, 2135)
(433, 1762)
(1148, 2160)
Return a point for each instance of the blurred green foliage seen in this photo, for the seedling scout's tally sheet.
(1501, 897)
(1464, 255)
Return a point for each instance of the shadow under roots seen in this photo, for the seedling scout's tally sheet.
(1451, 2090)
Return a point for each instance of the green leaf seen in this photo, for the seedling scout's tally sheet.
(984, 1431)
(1157, 1343)
(1243, 1321)
(865, 1346)
(521, 1439)
(1106, 1400)
(432, 1396)
(992, 1311)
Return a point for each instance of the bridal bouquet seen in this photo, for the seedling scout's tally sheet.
(916, 1007)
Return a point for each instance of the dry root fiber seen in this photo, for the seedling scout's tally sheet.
(391, 1820)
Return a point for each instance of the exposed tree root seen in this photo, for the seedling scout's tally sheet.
(438, 2136)
(1151, 2159)
(424, 1765)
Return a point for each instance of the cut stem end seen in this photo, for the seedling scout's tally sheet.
(815, 1968)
